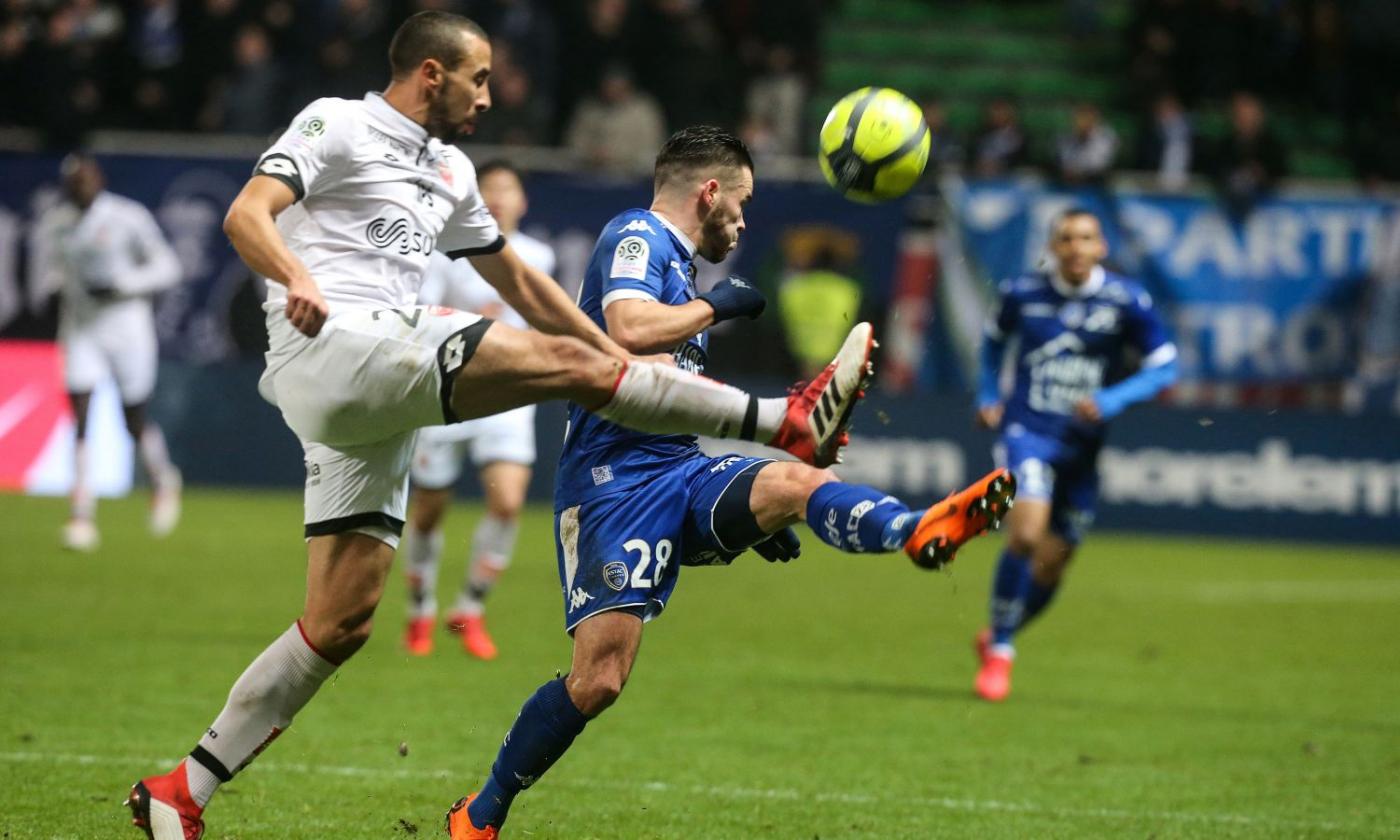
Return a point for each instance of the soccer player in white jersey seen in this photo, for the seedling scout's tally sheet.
(340, 216)
(109, 258)
(502, 446)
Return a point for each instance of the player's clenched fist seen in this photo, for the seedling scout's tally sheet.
(306, 309)
(734, 297)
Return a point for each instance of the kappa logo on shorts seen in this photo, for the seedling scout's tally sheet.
(726, 464)
(578, 598)
(615, 575)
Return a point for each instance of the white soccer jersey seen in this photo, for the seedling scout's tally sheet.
(457, 284)
(375, 195)
(111, 255)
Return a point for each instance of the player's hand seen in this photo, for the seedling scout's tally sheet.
(734, 297)
(780, 547)
(306, 309)
(1087, 410)
(989, 416)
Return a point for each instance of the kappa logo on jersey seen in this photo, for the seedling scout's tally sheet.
(615, 575)
(630, 258)
(578, 598)
(396, 234)
(638, 225)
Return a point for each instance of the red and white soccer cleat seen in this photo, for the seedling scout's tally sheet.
(418, 636)
(163, 808)
(960, 517)
(994, 677)
(818, 415)
(475, 640)
(459, 823)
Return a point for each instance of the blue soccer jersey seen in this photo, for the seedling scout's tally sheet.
(638, 256)
(1072, 343)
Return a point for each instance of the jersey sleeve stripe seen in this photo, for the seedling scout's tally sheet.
(1161, 356)
(627, 294)
(493, 248)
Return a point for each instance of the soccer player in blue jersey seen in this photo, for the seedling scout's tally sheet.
(1072, 325)
(631, 508)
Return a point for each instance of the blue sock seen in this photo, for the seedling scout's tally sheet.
(1010, 590)
(548, 723)
(855, 518)
(1038, 598)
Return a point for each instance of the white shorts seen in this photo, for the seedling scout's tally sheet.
(119, 340)
(508, 436)
(356, 395)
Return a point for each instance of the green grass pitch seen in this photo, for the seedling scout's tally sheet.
(1179, 688)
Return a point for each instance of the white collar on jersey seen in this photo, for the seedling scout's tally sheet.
(376, 104)
(1086, 289)
(685, 240)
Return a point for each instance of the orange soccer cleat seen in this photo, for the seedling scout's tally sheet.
(994, 677)
(960, 517)
(163, 808)
(418, 636)
(819, 414)
(459, 823)
(475, 640)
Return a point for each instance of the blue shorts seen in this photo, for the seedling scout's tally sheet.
(625, 550)
(1049, 469)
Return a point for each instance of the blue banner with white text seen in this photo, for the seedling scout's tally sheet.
(1271, 297)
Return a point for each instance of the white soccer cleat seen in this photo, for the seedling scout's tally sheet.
(165, 503)
(819, 414)
(81, 535)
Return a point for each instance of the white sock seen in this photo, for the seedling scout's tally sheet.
(261, 705)
(666, 400)
(154, 456)
(492, 545)
(423, 553)
(83, 503)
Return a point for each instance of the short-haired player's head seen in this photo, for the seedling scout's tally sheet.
(1078, 244)
(82, 178)
(714, 169)
(447, 58)
(504, 193)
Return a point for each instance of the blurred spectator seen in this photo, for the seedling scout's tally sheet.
(1250, 158)
(256, 82)
(528, 29)
(777, 98)
(758, 134)
(1231, 40)
(516, 118)
(620, 129)
(679, 60)
(999, 145)
(597, 39)
(818, 305)
(70, 71)
(158, 44)
(944, 150)
(1160, 43)
(1085, 154)
(1167, 143)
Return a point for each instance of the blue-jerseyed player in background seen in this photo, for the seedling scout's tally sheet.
(631, 509)
(1072, 324)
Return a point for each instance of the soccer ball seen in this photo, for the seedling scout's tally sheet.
(874, 145)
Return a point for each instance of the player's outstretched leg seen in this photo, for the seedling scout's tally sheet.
(345, 579)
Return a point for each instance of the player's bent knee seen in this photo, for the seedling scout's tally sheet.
(594, 693)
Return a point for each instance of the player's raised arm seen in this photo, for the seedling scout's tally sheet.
(251, 228)
(539, 299)
(646, 326)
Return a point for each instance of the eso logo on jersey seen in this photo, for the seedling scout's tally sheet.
(395, 235)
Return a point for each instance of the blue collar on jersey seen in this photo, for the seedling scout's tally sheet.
(1088, 288)
(676, 232)
(395, 117)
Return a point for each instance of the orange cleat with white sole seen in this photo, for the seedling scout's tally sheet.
(994, 677)
(459, 823)
(818, 417)
(418, 636)
(163, 808)
(475, 640)
(969, 513)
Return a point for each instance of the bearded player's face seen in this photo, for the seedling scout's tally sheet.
(719, 233)
(456, 103)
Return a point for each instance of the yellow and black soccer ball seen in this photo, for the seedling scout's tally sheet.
(874, 145)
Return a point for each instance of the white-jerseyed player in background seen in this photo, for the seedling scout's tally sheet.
(340, 216)
(502, 446)
(108, 257)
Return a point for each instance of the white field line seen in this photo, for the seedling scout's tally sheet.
(739, 793)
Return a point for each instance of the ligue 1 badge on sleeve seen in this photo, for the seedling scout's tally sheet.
(615, 575)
